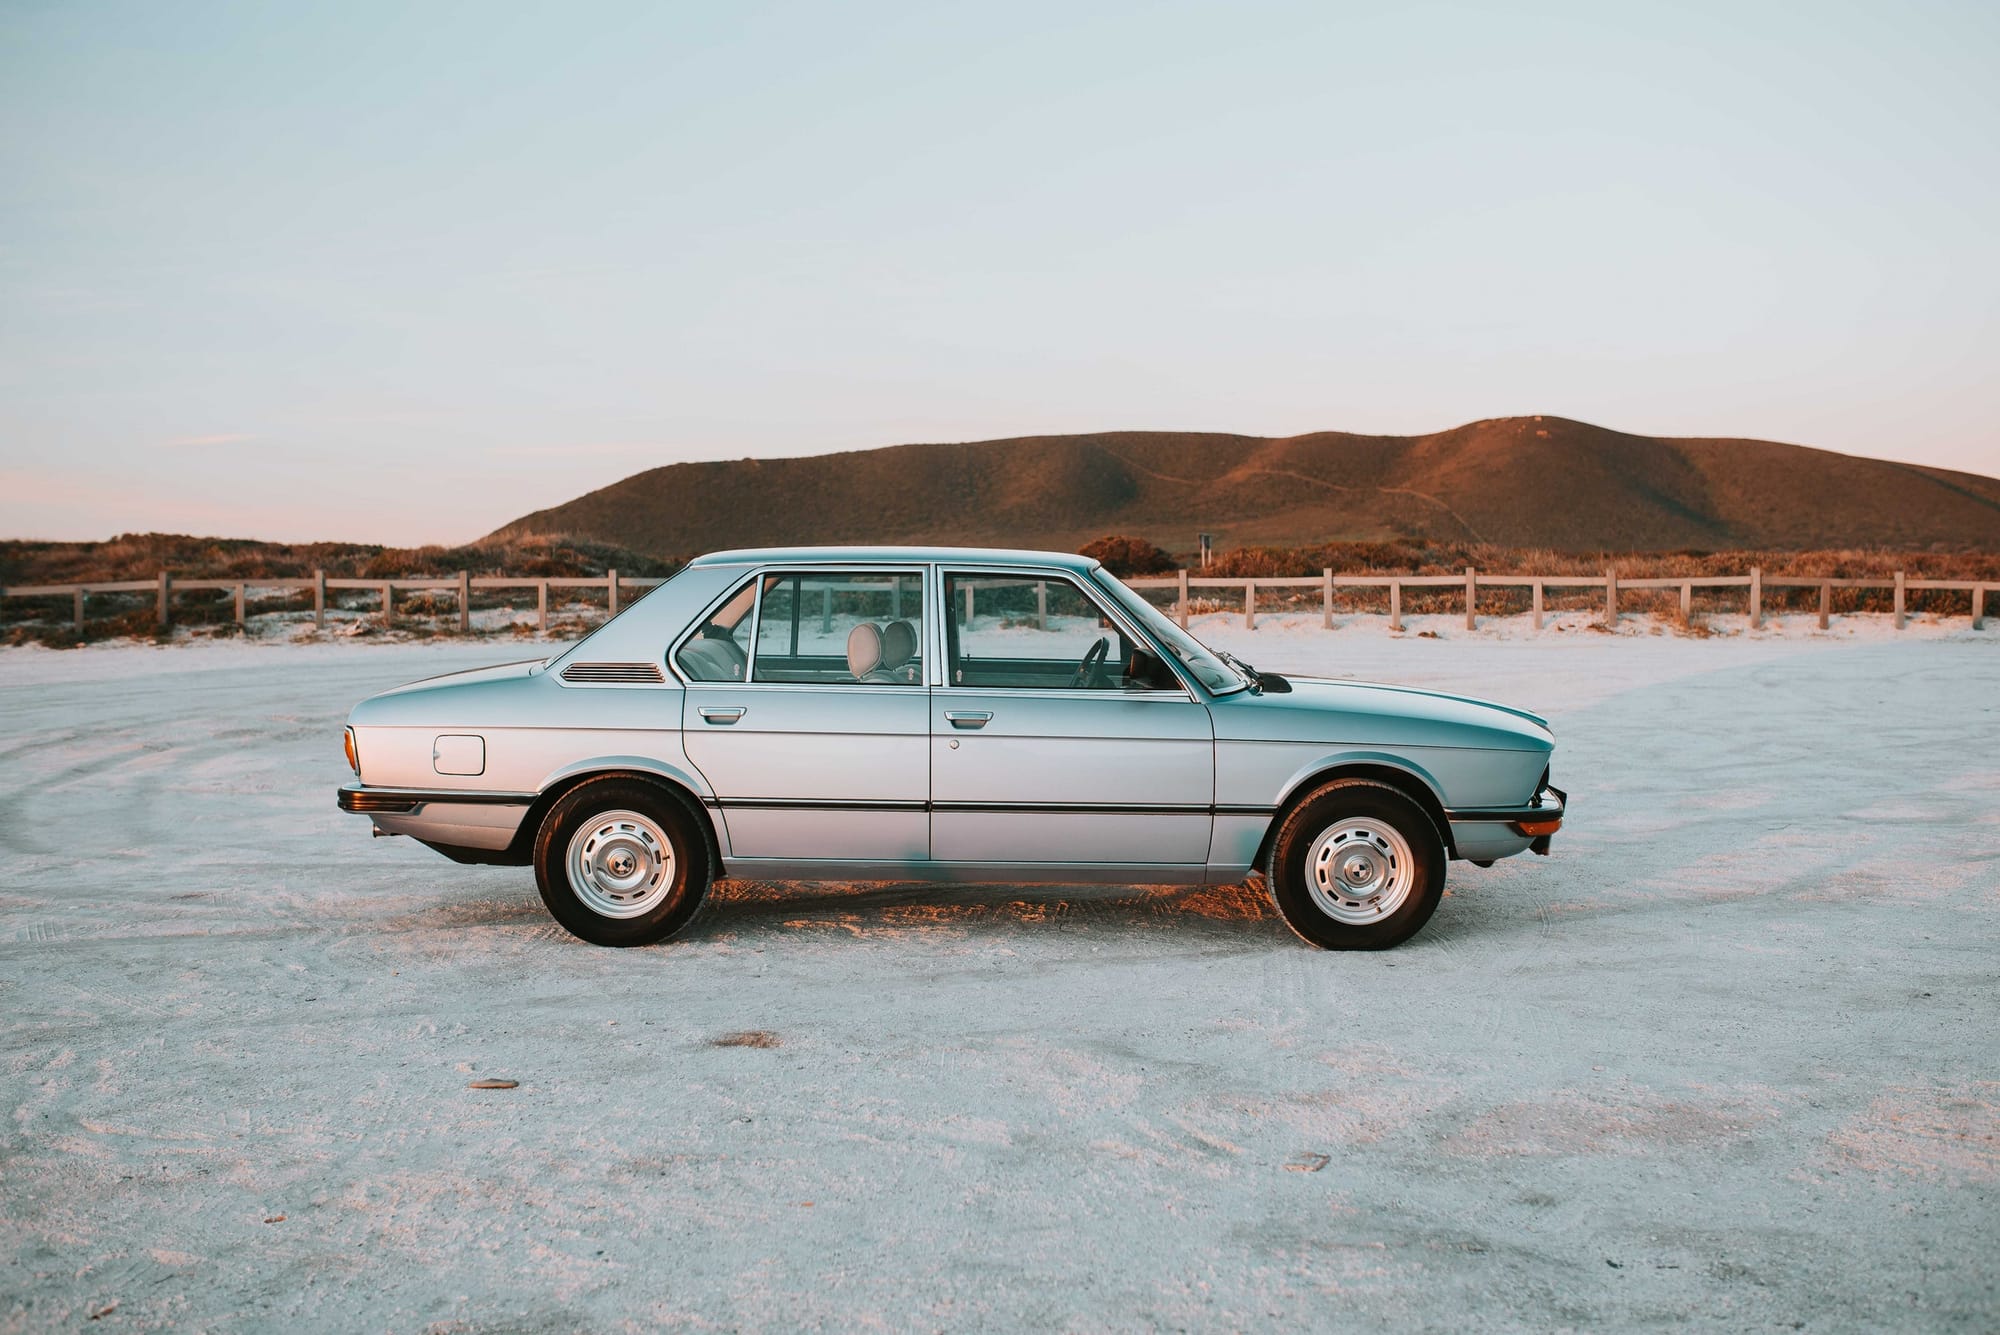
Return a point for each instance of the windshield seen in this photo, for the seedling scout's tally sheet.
(1209, 669)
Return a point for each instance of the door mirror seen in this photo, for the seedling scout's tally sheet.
(1146, 672)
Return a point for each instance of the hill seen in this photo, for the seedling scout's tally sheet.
(1543, 482)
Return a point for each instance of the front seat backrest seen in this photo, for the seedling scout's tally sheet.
(864, 650)
(899, 646)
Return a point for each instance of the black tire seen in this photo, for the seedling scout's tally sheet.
(669, 903)
(1339, 804)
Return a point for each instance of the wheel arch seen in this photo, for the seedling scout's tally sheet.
(681, 788)
(1393, 771)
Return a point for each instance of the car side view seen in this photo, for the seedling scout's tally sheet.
(947, 715)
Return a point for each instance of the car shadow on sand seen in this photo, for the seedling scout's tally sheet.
(892, 909)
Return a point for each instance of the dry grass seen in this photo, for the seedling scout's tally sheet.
(133, 556)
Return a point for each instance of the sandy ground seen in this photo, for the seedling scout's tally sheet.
(1729, 1057)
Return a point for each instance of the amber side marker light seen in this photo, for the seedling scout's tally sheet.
(1535, 829)
(353, 760)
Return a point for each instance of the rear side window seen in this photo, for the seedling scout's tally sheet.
(841, 628)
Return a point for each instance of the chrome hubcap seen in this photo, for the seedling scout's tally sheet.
(1360, 870)
(620, 864)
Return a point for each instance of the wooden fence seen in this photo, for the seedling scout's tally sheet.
(460, 586)
(463, 585)
(1472, 581)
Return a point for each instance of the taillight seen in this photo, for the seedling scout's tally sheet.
(353, 756)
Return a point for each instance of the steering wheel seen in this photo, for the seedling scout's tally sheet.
(1092, 661)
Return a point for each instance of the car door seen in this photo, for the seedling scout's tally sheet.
(1039, 757)
(820, 751)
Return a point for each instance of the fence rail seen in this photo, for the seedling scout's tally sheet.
(1183, 582)
(1473, 580)
(463, 585)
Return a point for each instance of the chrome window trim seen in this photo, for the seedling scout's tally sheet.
(1077, 693)
(1092, 594)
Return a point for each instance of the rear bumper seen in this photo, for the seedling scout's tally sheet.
(470, 820)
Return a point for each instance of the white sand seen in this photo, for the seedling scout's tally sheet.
(1728, 1058)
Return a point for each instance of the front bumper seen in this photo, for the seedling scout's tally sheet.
(1499, 832)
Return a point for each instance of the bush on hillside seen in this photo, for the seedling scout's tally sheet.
(1129, 556)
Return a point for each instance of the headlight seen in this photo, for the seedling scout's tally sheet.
(353, 756)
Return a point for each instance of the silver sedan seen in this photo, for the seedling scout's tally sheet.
(948, 715)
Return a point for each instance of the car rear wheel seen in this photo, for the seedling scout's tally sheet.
(621, 863)
(1357, 866)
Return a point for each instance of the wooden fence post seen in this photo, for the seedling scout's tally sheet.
(969, 605)
(611, 584)
(1183, 602)
(1538, 604)
(1326, 598)
(1395, 604)
(1041, 604)
(464, 601)
(239, 605)
(1756, 597)
(826, 608)
(319, 599)
(542, 605)
(79, 611)
(1825, 601)
(1899, 599)
(1249, 604)
(1687, 599)
(1978, 608)
(1471, 595)
(1611, 596)
(166, 588)
(388, 603)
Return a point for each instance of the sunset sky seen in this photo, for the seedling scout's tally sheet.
(400, 273)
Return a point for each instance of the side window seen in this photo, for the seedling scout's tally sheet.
(1035, 632)
(716, 651)
(842, 628)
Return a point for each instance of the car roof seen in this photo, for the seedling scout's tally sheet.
(960, 555)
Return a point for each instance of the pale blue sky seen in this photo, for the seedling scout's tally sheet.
(400, 272)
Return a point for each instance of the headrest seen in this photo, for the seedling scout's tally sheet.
(899, 644)
(864, 649)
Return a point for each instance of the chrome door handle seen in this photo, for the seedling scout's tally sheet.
(968, 718)
(722, 715)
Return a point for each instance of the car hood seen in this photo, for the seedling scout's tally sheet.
(1320, 709)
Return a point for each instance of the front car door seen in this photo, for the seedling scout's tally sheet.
(1044, 754)
(807, 715)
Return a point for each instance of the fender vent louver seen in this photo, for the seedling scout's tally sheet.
(613, 673)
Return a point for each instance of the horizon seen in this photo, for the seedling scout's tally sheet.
(477, 538)
(401, 277)
(487, 532)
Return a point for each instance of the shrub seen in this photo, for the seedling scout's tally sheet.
(1129, 556)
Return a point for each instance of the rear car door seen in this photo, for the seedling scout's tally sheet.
(818, 748)
(1041, 757)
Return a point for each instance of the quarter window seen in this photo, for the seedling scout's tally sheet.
(717, 650)
(841, 628)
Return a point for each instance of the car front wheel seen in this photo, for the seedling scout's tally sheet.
(621, 863)
(1357, 866)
